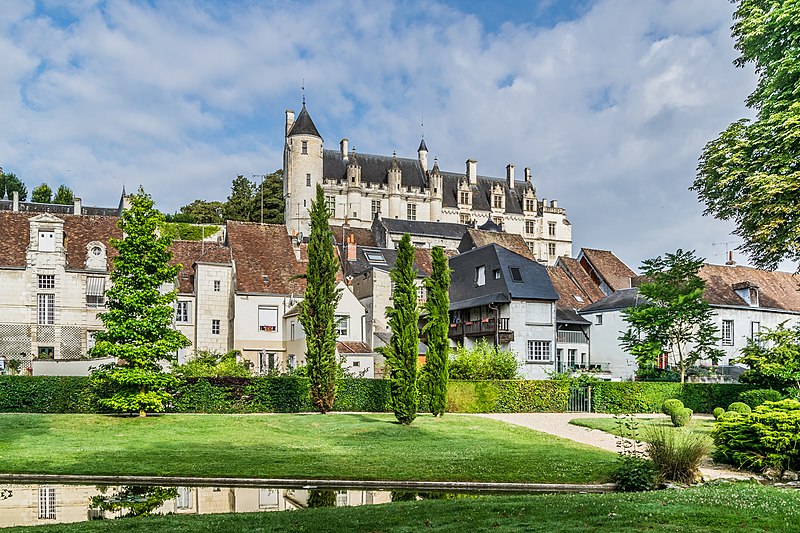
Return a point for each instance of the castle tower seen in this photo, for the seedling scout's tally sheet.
(302, 168)
(435, 192)
(395, 189)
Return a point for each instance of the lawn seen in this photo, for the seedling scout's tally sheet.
(292, 446)
(702, 426)
(710, 508)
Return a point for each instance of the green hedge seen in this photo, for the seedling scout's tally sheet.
(648, 397)
(51, 394)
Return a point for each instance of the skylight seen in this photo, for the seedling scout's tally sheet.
(516, 275)
(374, 256)
(578, 298)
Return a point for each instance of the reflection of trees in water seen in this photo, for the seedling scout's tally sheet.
(133, 500)
(6, 494)
(321, 498)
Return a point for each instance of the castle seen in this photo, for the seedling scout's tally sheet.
(360, 187)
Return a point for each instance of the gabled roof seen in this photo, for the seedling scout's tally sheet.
(447, 230)
(610, 268)
(621, 299)
(304, 125)
(534, 281)
(260, 250)
(188, 253)
(571, 280)
(476, 238)
(352, 347)
(776, 289)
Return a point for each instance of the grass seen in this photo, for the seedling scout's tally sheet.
(710, 508)
(291, 446)
(701, 426)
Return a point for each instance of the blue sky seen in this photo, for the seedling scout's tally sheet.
(610, 102)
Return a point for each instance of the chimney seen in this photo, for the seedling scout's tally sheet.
(510, 175)
(528, 177)
(77, 208)
(472, 171)
(553, 203)
(289, 121)
(729, 262)
(15, 201)
(344, 145)
(351, 251)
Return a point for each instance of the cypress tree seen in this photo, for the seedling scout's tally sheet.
(318, 307)
(437, 308)
(401, 353)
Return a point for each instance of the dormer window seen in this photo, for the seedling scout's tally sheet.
(96, 251)
(463, 198)
(498, 201)
(47, 241)
(754, 296)
(530, 204)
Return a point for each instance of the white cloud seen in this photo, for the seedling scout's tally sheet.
(611, 109)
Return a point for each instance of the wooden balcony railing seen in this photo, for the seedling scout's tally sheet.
(478, 328)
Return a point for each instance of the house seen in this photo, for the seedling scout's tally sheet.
(424, 234)
(606, 270)
(508, 299)
(359, 186)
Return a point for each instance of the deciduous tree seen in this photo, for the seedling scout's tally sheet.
(403, 348)
(672, 318)
(437, 326)
(42, 194)
(750, 174)
(317, 310)
(138, 322)
(9, 182)
(64, 195)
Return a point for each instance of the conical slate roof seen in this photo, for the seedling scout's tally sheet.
(304, 125)
(422, 147)
(490, 225)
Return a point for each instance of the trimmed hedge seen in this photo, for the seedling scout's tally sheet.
(55, 394)
(649, 397)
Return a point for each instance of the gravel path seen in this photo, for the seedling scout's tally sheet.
(558, 424)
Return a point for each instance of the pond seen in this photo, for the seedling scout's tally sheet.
(27, 504)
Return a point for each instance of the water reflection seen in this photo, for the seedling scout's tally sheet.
(37, 504)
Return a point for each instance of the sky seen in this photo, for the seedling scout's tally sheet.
(610, 102)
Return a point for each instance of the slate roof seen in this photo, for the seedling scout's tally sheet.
(535, 284)
(621, 299)
(59, 209)
(482, 192)
(776, 289)
(187, 253)
(614, 272)
(374, 169)
(475, 238)
(264, 249)
(447, 230)
(79, 231)
(570, 316)
(422, 261)
(303, 125)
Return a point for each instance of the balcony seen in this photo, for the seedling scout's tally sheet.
(571, 337)
(482, 328)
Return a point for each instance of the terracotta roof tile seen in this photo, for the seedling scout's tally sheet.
(580, 278)
(776, 290)
(345, 347)
(363, 236)
(567, 290)
(15, 236)
(614, 272)
(187, 253)
(475, 238)
(260, 250)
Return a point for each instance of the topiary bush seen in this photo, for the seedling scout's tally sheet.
(768, 437)
(718, 411)
(756, 397)
(670, 406)
(681, 417)
(739, 407)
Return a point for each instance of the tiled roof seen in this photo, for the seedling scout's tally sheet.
(614, 272)
(363, 236)
(776, 290)
(580, 279)
(346, 347)
(568, 291)
(260, 250)
(476, 238)
(15, 236)
(187, 253)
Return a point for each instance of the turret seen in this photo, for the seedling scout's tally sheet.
(435, 192)
(353, 171)
(302, 167)
(422, 152)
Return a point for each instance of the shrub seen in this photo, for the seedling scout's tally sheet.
(729, 415)
(207, 364)
(756, 397)
(635, 474)
(739, 407)
(718, 411)
(647, 397)
(670, 406)
(483, 362)
(681, 417)
(768, 437)
(677, 454)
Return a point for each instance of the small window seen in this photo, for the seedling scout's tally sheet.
(95, 291)
(551, 229)
(464, 218)
(342, 326)
(215, 326)
(464, 198)
(421, 294)
(308, 180)
(754, 296)
(47, 241)
(727, 332)
(516, 275)
(376, 207)
(356, 364)
(97, 251)
(551, 249)
(598, 320)
(498, 202)
(268, 498)
(217, 285)
(330, 203)
(291, 336)
(496, 273)
(530, 204)
(47, 281)
(184, 499)
(480, 275)
(411, 211)
(182, 312)
(268, 319)
(755, 330)
(90, 340)
(46, 352)
(47, 503)
(530, 227)
(304, 147)
(538, 352)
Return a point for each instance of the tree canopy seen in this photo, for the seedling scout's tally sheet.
(42, 194)
(773, 358)
(64, 195)
(138, 321)
(9, 182)
(750, 174)
(672, 318)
